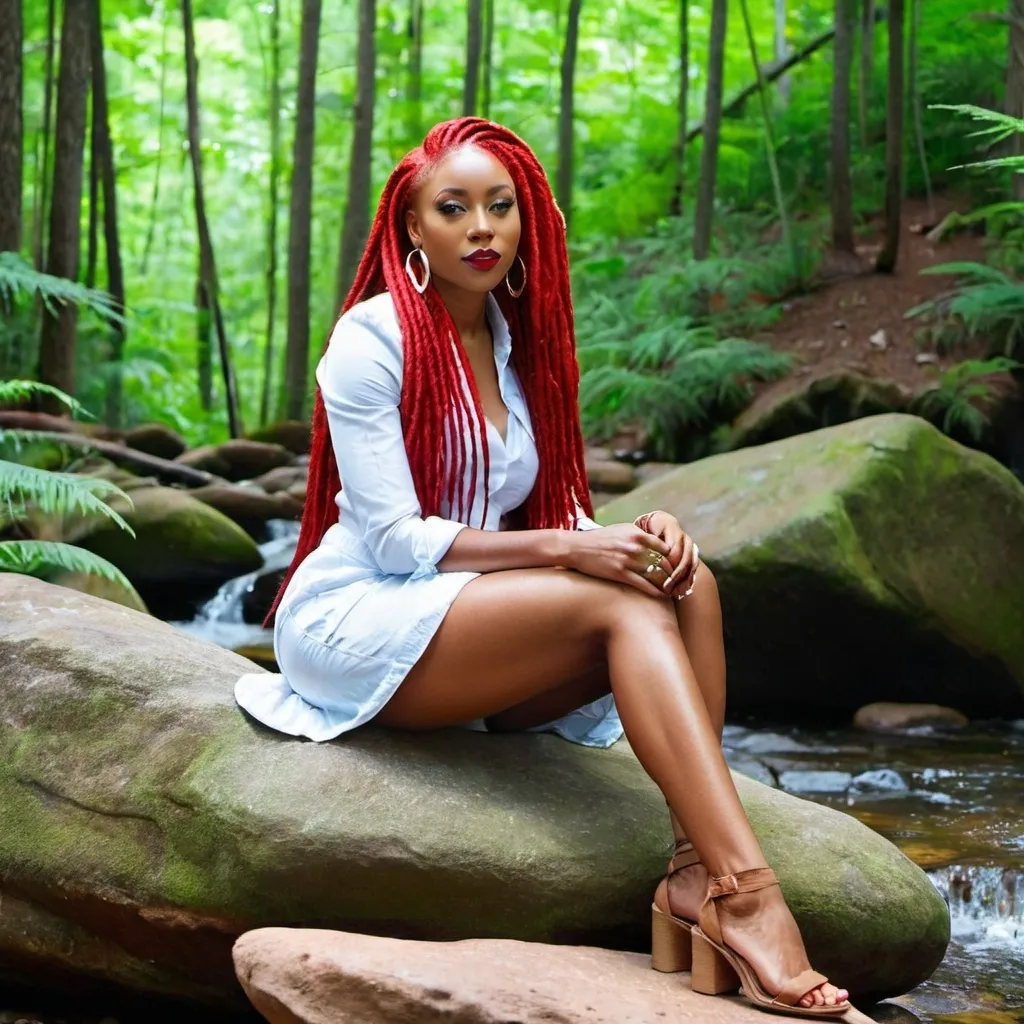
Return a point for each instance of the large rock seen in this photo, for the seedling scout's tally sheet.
(310, 976)
(877, 560)
(141, 809)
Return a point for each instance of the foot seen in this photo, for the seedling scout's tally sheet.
(686, 891)
(760, 928)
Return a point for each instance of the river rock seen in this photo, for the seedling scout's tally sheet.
(250, 507)
(281, 478)
(611, 477)
(311, 976)
(156, 439)
(138, 803)
(887, 717)
(291, 434)
(877, 560)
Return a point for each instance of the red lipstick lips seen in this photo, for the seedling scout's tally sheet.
(482, 259)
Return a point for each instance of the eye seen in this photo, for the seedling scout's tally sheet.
(503, 205)
(449, 207)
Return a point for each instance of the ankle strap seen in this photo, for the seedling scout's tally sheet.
(742, 881)
(684, 856)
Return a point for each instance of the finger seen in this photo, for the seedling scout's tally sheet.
(651, 542)
(683, 567)
(640, 582)
(658, 573)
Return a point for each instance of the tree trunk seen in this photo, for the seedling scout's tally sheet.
(43, 168)
(842, 186)
(474, 43)
(682, 104)
(92, 246)
(275, 174)
(867, 31)
(1015, 86)
(57, 341)
(712, 130)
(154, 203)
(488, 69)
(415, 86)
(886, 262)
(296, 368)
(915, 104)
(563, 180)
(781, 47)
(207, 263)
(357, 211)
(204, 349)
(104, 153)
(11, 140)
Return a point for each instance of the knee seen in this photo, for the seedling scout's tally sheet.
(622, 607)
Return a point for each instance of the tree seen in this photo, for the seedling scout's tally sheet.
(154, 203)
(781, 47)
(43, 165)
(488, 70)
(1014, 85)
(842, 186)
(915, 103)
(10, 126)
(682, 105)
(474, 45)
(414, 88)
(563, 179)
(275, 174)
(296, 368)
(357, 211)
(867, 28)
(712, 131)
(59, 330)
(103, 154)
(207, 264)
(886, 261)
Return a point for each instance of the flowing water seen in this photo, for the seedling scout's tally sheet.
(953, 802)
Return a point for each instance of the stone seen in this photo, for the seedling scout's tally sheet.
(294, 435)
(312, 976)
(99, 586)
(156, 439)
(141, 809)
(281, 478)
(207, 458)
(247, 459)
(611, 476)
(879, 340)
(877, 560)
(884, 716)
(824, 399)
(249, 507)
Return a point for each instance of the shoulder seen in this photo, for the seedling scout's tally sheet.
(365, 345)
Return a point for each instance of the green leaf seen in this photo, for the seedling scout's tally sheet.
(41, 558)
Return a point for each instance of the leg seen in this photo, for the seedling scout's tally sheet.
(511, 636)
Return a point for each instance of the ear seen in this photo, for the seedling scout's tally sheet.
(412, 225)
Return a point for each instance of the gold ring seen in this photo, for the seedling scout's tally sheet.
(653, 557)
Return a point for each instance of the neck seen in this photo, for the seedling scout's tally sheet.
(468, 311)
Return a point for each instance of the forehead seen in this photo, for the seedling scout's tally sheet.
(468, 168)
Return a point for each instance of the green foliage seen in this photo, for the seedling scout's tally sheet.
(956, 402)
(26, 490)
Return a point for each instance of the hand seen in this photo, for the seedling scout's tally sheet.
(622, 553)
(682, 554)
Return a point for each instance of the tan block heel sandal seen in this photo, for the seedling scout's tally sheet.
(670, 935)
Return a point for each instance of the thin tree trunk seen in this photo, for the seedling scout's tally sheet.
(781, 48)
(57, 341)
(712, 130)
(92, 249)
(296, 368)
(11, 138)
(488, 70)
(104, 152)
(204, 346)
(886, 261)
(563, 180)
(357, 211)
(415, 86)
(207, 263)
(915, 104)
(275, 173)
(474, 43)
(154, 203)
(43, 169)
(867, 32)
(682, 105)
(1015, 86)
(842, 186)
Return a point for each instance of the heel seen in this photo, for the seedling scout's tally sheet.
(671, 949)
(712, 973)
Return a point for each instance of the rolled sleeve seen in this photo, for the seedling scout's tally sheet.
(583, 521)
(360, 378)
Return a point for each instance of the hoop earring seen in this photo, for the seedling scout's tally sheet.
(420, 287)
(515, 293)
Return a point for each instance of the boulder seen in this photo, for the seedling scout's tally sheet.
(142, 809)
(884, 716)
(310, 976)
(613, 477)
(801, 404)
(156, 439)
(281, 479)
(250, 507)
(877, 560)
(207, 458)
(247, 459)
(291, 434)
(100, 586)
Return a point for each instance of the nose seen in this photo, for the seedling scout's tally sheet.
(480, 230)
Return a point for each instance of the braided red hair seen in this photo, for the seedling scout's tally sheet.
(543, 351)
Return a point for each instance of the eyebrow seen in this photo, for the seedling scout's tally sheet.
(494, 190)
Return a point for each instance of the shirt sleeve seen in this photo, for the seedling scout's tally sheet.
(583, 521)
(360, 378)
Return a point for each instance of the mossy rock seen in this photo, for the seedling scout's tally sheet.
(877, 560)
(156, 439)
(177, 540)
(138, 804)
(294, 435)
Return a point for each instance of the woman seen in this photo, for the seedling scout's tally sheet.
(456, 578)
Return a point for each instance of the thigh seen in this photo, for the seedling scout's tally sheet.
(507, 638)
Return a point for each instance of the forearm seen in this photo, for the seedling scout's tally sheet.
(494, 550)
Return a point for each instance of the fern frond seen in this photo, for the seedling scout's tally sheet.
(19, 277)
(12, 392)
(42, 558)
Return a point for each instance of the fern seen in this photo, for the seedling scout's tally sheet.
(13, 392)
(19, 278)
(41, 558)
(955, 402)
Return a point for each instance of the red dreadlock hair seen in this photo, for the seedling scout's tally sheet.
(544, 350)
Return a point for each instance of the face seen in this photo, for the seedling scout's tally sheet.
(466, 220)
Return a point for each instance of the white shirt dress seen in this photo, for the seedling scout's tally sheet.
(362, 607)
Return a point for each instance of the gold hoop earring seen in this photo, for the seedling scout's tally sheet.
(421, 287)
(515, 293)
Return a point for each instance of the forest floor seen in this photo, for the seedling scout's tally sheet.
(829, 329)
